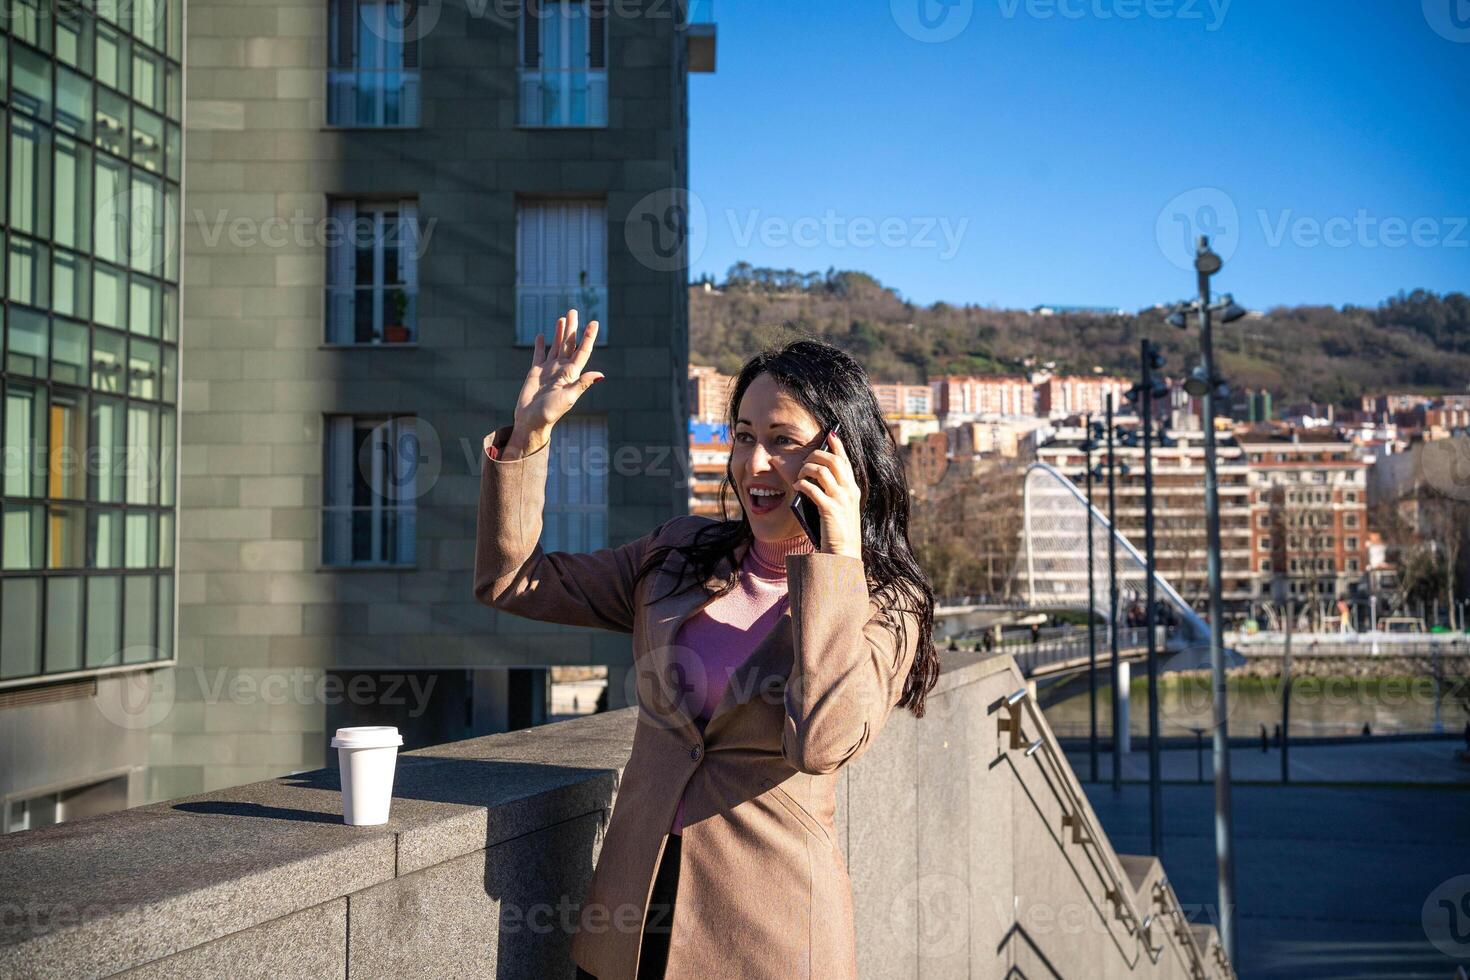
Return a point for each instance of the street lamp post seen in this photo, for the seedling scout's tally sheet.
(1206, 385)
(1087, 447)
(1113, 600)
(1151, 359)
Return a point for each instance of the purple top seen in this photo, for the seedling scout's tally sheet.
(714, 642)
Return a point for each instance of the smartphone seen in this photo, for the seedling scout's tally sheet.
(806, 511)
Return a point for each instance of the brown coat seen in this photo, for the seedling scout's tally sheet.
(763, 891)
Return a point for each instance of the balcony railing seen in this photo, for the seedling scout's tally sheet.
(368, 535)
(538, 307)
(369, 315)
(372, 97)
(563, 97)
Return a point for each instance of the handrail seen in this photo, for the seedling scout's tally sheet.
(1018, 706)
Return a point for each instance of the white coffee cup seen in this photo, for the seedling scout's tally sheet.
(367, 757)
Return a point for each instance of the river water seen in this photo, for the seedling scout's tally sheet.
(1319, 705)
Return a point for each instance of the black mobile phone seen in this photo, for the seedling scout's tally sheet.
(806, 511)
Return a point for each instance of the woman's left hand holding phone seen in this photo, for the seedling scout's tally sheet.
(552, 386)
(828, 481)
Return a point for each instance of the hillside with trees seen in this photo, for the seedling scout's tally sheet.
(1417, 341)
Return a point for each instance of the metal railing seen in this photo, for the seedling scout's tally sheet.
(563, 97)
(1020, 714)
(369, 315)
(373, 97)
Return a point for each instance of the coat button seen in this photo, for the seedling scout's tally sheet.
(694, 753)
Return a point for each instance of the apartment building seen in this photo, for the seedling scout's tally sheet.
(385, 203)
(960, 398)
(709, 454)
(1179, 508)
(1060, 396)
(1309, 511)
(900, 400)
(709, 394)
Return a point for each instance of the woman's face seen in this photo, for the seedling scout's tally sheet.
(773, 435)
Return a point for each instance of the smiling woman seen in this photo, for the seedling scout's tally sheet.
(764, 664)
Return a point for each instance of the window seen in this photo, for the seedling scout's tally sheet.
(561, 264)
(1350, 520)
(373, 79)
(1265, 564)
(1350, 565)
(372, 273)
(563, 79)
(1350, 543)
(371, 469)
(575, 518)
(88, 179)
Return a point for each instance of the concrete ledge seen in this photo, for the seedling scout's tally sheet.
(951, 837)
(102, 895)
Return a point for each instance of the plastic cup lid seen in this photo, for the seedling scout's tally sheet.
(367, 737)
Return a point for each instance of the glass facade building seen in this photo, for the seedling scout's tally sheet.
(91, 169)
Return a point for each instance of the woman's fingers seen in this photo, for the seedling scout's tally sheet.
(561, 336)
(584, 349)
(540, 354)
(824, 477)
(571, 337)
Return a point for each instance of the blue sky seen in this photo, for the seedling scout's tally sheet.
(1062, 151)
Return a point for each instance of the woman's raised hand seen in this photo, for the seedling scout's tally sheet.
(554, 383)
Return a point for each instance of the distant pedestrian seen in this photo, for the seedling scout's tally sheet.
(1265, 741)
(1276, 735)
(952, 644)
(1367, 729)
(1035, 633)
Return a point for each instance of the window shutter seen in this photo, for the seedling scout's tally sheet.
(531, 31)
(346, 28)
(597, 34)
(341, 275)
(408, 237)
(411, 13)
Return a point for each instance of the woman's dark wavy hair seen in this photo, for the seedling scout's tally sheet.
(835, 390)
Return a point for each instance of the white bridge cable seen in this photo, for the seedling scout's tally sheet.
(1051, 565)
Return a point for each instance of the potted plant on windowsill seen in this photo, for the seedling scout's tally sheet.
(395, 331)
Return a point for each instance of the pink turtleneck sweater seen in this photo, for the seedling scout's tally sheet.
(714, 642)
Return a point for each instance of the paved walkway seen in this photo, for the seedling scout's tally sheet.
(1331, 882)
(1361, 762)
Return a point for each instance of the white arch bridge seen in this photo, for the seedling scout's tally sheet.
(1051, 576)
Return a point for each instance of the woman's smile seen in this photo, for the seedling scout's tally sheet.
(764, 497)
